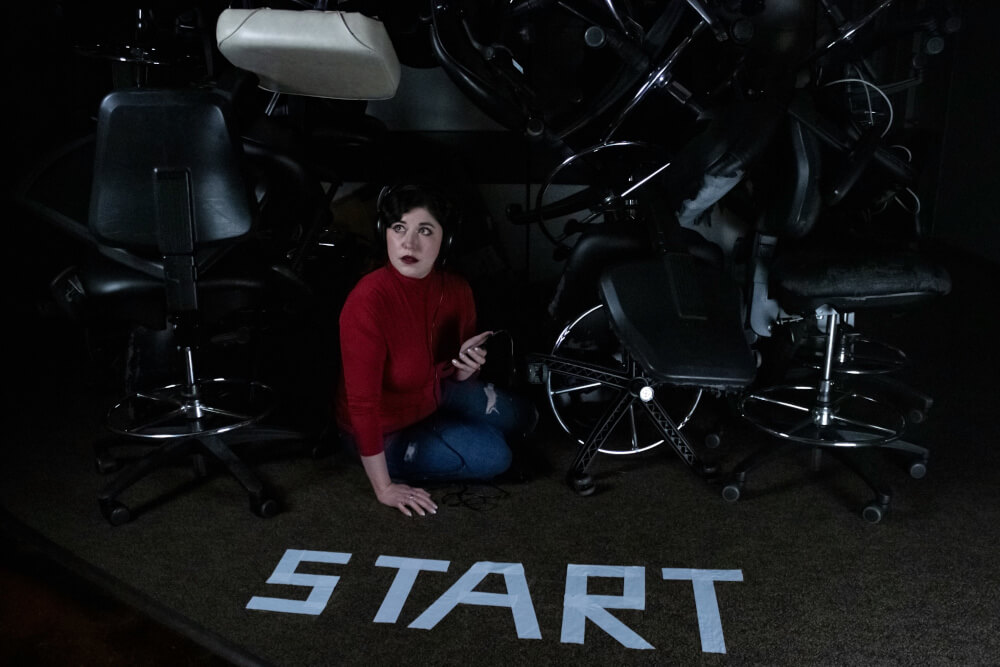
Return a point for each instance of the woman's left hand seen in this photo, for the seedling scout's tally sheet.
(471, 357)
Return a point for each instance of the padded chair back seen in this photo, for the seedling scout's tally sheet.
(794, 194)
(167, 172)
(168, 183)
(691, 333)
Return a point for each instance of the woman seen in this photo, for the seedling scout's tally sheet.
(409, 399)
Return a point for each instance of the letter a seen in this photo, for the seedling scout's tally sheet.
(461, 592)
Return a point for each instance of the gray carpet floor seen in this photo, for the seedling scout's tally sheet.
(655, 568)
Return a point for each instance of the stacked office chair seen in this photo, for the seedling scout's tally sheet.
(837, 393)
(629, 373)
(672, 326)
(174, 218)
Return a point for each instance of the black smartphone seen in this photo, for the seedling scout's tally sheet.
(486, 344)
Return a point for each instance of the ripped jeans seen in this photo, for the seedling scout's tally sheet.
(465, 439)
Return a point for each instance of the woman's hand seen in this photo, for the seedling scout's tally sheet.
(407, 499)
(471, 356)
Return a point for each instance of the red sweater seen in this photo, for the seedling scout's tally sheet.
(398, 336)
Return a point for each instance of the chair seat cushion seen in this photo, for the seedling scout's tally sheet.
(679, 318)
(804, 281)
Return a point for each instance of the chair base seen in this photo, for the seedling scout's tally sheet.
(586, 371)
(628, 398)
(849, 419)
(199, 422)
(859, 460)
(852, 428)
(205, 407)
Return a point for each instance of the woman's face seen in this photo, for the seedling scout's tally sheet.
(413, 243)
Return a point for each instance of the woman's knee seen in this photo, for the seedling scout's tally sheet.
(491, 462)
(485, 451)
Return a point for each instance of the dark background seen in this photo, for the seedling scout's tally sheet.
(920, 590)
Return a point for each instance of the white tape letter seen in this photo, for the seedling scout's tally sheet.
(517, 598)
(705, 603)
(402, 584)
(284, 573)
(578, 605)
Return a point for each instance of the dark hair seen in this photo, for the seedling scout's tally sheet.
(398, 200)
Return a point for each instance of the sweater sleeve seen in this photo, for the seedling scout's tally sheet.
(459, 324)
(363, 351)
(468, 321)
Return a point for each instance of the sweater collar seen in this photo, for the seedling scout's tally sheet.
(409, 283)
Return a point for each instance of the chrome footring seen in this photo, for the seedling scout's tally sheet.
(853, 355)
(207, 407)
(848, 419)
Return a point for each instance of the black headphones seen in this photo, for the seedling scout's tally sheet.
(394, 200)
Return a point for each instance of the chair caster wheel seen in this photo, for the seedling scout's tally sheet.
(265, 508)
(713, 440)
(709, 471)
(732, 492)
(874, 512)
(915, 416)
(115, 512)
(582, 484)
(106, 465)
(918, 469)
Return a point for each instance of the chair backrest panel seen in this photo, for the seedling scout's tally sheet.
(154, 149)
(331, 54)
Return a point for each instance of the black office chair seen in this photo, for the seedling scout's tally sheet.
(836, 393)
(173, 218)
(667, 333)
(629, 373)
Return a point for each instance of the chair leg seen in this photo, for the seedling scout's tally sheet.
(672, 434)
(260, 501)
(114, 510)
(823, 425)
(862, 462)
(625, 403)
(578, 478)
(733, 488)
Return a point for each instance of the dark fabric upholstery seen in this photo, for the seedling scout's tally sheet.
(806, 280)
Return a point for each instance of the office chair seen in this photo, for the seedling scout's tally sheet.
(666, 336)
(838, 395)
(629, 373)
(173, 218)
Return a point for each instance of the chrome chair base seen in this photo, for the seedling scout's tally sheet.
(848, 419)
(206, 407)
(196, 421)
(833, 415)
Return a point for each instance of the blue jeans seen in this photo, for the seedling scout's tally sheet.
(465, 439)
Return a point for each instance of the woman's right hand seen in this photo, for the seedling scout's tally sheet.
(407, 499)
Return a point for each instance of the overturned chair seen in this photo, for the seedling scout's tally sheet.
(667, 336)
(669, 351)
